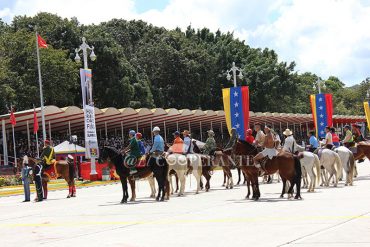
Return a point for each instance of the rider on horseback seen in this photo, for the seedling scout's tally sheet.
(290, 144)
(178, 143)
(357, 135)
(260, 136)
(158, 146)
(210, 145)
(249, 136)
(269, 151)
(328, 141)
(188, 147)
(133, 152)
(47, 155)
(348, 140)
(313, 142)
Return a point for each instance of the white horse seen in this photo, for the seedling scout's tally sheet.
(348, 162)
(309, 163)
(179, 163)
(330, 160)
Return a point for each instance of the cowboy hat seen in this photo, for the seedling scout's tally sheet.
(288, 132)
(156, 129)
(211, 132)
(186, 132)
(176, 133)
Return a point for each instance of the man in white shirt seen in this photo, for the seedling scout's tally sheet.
(290, 144)
(260, 136)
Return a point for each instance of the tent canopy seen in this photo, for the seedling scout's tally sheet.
(69, 148)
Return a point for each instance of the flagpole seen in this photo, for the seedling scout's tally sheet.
(15, 151)
(37, 146)
(41, 94)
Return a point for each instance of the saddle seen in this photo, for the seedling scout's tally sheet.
(51, 170)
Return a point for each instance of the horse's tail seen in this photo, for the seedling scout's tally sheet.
(71, 172)
(317, 166)
(338, 162)
(351, 165)
(298, 170)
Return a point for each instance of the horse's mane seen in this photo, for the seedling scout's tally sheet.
(245, 142)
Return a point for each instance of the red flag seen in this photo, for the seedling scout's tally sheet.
(41, 42)
(13, 121)
(35, 122)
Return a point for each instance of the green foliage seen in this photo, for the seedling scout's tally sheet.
(140, 65)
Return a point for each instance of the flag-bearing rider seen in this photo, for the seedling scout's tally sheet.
(269, 149)
(47, 159)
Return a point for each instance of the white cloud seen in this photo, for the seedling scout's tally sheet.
(325, 37)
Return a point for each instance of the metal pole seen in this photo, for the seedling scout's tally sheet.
(15, 151)
(28, 136)
(41, 94)
(200, 128)
(189, 127)
(281, 129)
(151, 128)
(37, 146)
(122, 130)
(137, 126)
(69, 128)
(5, 147)
(165, 132)
(49, 130)
(234, 73)
(222, 131)
(177, 125)
(106, 130)
(211, 125)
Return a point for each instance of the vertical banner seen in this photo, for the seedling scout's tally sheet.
(236, 107)
(322, 112)
(91, 140)
(367, 112)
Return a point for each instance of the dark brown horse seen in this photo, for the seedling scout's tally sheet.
(60, 168)
(159, 170)
(207, 168)
(288, 166)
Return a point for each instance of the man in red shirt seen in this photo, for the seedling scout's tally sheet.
(249, 137)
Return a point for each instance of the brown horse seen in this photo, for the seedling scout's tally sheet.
(207, 168)
(288, 166)
(363, 150)
(60, 168)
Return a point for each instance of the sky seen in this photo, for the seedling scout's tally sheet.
(326, 37)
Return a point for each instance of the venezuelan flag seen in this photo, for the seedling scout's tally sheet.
(367, 112)
(236, 107)
(322, 112)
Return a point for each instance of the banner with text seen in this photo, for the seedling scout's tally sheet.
(91, 140)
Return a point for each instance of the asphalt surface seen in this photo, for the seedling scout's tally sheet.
(328, 217)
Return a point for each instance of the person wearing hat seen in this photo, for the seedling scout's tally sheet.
(313, 142)
(158, 142)
(133, 152)
(188, 147)
(178, 143)
(139, 139)
(348, 140)
(249, 136)
(232, 140)
(357, 135)
(210, 144)
(269, 149)
(290, 144)
(260, 136)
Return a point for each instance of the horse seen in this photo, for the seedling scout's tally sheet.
(114, 158)
(332, 164)
(223, 158)
(309, 163)
(60, 168)
(363, 150)
(287, 164)
(179, 163)
(207, 168)
(348, 162)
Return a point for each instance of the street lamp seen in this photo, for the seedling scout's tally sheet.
(233, 70)
(84, 47)
(319, 83)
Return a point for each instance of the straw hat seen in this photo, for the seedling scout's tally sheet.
(186, 132)
(288, 132)
(211, 133)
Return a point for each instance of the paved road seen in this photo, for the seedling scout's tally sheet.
(329, 217)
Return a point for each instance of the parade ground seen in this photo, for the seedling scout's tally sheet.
(328, 217)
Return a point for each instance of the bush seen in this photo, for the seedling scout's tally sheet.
(10, 180)
(2, 181)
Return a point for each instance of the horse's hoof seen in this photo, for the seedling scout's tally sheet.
(162, 199)
(157, 199)
(281, 196)
(231, 187)
(346, 184)
(132, 199)
(298, 198)
(255, 199)
(197, 192)
(123, 201)
(247, 197)
(68, 196)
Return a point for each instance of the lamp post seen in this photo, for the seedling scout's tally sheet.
(319, 83)
(233, 70)
(84, 47)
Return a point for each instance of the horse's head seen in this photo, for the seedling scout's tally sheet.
(109, 155)
(242, 147)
